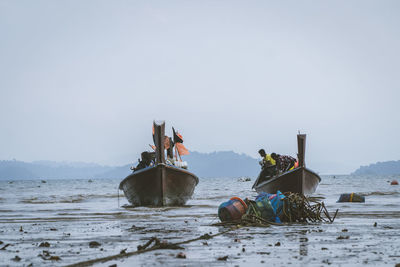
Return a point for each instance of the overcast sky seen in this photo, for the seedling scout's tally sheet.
(83, 80)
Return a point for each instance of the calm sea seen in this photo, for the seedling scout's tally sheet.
(68, 214)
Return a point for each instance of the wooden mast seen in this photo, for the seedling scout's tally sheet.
(301, 146)
(159, 133)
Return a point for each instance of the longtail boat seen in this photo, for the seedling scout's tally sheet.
(299, 180)
(161, 184)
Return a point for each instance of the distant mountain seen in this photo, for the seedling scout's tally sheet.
(216, 164)
(19, 170)
(385, 168)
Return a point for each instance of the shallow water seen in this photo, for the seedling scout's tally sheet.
(68, 214)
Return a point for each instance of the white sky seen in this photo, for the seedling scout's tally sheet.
(83, 80)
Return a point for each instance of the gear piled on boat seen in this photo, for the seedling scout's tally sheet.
(277, 208)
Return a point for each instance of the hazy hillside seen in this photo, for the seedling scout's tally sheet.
(387, 167)
(216, 164)
(14, 170)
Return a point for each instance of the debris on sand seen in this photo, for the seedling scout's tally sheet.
(273, 209)
(44, 244)
(244, 179)
(16, 258)
(298, 208)
(135, 228)
(158, 244)
(181, 255)
(146, 248)
(46, 256)
(224, 258)
(94, 244)
(5, 246)
(205, 236)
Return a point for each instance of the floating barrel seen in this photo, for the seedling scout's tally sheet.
(232, 210)
(394, 182)
(353, 197)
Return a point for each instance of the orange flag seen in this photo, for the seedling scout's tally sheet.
(182, 150)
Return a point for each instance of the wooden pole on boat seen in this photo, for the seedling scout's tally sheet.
(159, 133)
(301, 146)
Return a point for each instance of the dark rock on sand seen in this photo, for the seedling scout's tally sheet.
(44, 244)
(94, 244)
(16, 258)
(54, 258)
(181, 255)
(224, 258)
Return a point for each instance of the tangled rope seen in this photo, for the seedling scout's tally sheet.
(297, 208)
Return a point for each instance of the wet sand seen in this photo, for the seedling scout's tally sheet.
(362, 234)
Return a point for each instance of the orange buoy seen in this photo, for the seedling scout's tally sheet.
(394, 182)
